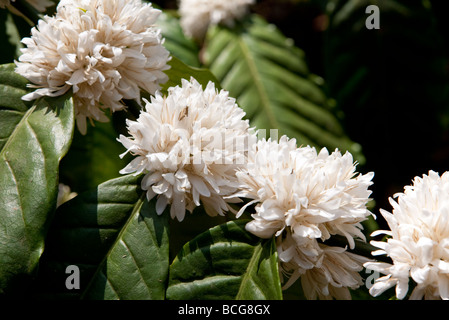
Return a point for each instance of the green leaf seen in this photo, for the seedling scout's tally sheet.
(226, 262)
(33, 140)
(176, 42)
(269, 77)
(114, 235)
(179, 70)
(198, 222)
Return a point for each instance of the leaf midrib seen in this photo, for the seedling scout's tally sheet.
(137, 206)
(4, 157)
(16, 129)
(247, 276)
(265, 100)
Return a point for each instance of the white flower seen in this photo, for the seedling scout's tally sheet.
(302, 198)
(325, 272)
(103, 50)
(189, 144)
(337, 271)
(316, 195)
(198, 15)
(39, 5)
(419, 242)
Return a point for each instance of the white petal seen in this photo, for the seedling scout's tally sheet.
(443, 287)
(200, 186)
(401, 289)
(161, 204)
(150, 179)
(161, 187)
(381, 286)
(420, 275)
(76, 78)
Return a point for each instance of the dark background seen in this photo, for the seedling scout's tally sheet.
(391, 84)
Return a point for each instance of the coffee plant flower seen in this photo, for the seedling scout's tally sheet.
(336, 271)
(303, 198)
(103, 50)
(315, 194)
(418, 242)
(198, 15)
(189, 144)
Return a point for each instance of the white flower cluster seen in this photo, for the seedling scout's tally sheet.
(325, 272)
(419, 240)
(198, 15)
(103, 50)
(193, 147)
(303, 198)
(185, 143)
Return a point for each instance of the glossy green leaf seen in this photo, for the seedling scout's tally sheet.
(269, 77)
(179, 70)
(33, 139)
(176, 42)
(117, 240)
(226, 262)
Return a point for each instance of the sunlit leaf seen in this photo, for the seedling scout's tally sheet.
(226, 262)
(33, 139)
(115, 237)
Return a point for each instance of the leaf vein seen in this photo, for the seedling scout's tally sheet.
(136, 264)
